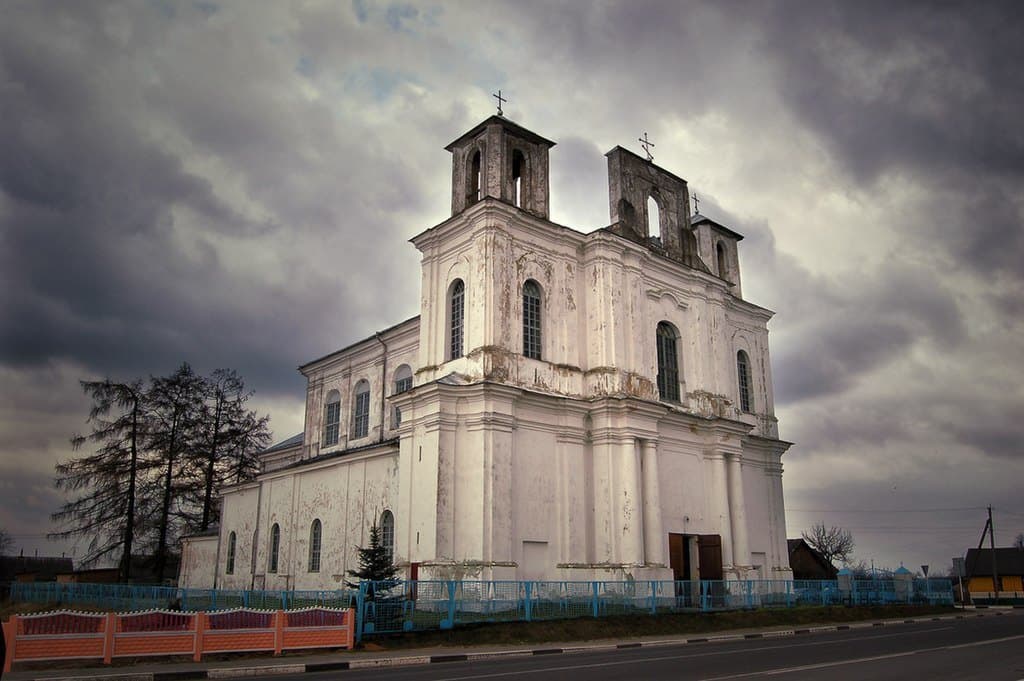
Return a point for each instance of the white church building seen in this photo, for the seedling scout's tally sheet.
(566, 406)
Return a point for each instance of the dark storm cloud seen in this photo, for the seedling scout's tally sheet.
(114, 253)
(933, 92)
(932, 86)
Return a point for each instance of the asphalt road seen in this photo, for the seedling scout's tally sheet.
(989, 648)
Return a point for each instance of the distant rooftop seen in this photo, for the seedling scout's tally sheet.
(293, 441)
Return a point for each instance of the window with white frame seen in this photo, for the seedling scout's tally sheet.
(743, 377)
(387, 533)
(531, 319)
(332, 418)
(456, 318)
(403, 383)
(275, 546)
(668, 363)
(361, 410)
(315, 531)
(230, 568)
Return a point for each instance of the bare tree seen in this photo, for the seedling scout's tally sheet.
(229, 439)
(6, 542)
(833, 543)
(106, 509)
(175, 403)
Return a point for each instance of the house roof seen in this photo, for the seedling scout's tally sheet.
(47, 567)
(793, 545)
(1009, 561)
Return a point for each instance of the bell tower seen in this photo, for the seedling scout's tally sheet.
(502, 160)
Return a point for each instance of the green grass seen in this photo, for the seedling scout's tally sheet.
(632, 626)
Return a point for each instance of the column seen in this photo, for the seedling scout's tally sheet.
(653, 535)
(630, 512)
(720, 499)
(737, 510)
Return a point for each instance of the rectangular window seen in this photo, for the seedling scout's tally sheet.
(361, 416)
(332, 418)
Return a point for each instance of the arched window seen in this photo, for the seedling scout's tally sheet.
(743, 376)
(456, 318)
(517, 178)
(653, 219)
(474, 178)
(531, 319)
(403, 383)
(314, 545)
(332, 418)
(230, 569)
(361, 410)
(723, 263)
(275, 545)
(387, 533)
(668, 363)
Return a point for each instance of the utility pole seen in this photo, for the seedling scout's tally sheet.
(992, 545)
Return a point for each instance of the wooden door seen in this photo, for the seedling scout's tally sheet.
(709, 549)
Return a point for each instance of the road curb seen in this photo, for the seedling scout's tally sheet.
(444, 658)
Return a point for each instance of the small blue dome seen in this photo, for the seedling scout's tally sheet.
(902, 571)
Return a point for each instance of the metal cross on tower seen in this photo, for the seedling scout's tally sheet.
(696, 203)
(500, 100)
(646, 144)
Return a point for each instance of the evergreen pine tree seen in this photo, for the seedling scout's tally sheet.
(375, 565)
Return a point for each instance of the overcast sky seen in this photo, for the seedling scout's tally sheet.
(233, 184)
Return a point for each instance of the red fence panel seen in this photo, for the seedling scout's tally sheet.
(75, 635)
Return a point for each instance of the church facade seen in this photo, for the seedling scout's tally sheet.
(567, 405)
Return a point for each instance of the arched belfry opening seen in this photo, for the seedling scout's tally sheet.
(499, 159)
(722, 260)
(475, 178)
(518, 163)
(653, 220)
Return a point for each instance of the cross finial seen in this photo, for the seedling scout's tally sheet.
(646, 144)
(500, 101)
(696, 203)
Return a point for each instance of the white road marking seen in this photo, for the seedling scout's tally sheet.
(664, 658)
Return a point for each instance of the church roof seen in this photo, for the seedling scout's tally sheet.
(334, 455)
(509, 124)
(358, 342)
(698, 218)
(293, 441)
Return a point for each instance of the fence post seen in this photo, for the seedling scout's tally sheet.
(108, 637)
(9, 629)
(360, 610)
(529, 601)
(704, 587)
(451, 603)
(278, 632)
(596, 604)
(199, 624)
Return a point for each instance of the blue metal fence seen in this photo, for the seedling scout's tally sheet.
(385, 607)
(410, 606)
